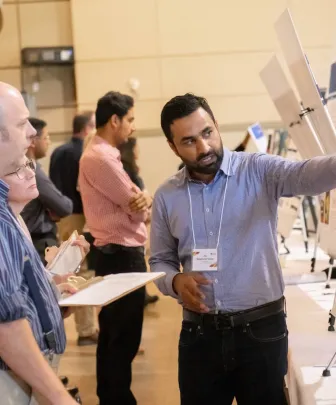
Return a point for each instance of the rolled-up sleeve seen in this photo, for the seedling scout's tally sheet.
(13, 305)
(164, 255)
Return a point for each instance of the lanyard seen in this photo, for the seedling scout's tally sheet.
(221, 218)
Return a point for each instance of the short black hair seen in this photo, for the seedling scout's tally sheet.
(37, 124)
(112, 103)
(79, 122)
(179, 107)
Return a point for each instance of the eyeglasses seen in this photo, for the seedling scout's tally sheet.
(21, 172)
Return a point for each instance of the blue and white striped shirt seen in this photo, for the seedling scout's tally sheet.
(249, 273)
(15, 301)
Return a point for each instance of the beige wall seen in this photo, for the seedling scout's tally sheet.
(214, 48)
(37, 23)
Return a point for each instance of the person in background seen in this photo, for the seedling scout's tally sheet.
(50, 205)
(129, 152)
(240, 148)
(116, 212)
(64, 169)
(19, 317)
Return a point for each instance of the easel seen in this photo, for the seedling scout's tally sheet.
(317, 241)
(332, 316)
(326, 372)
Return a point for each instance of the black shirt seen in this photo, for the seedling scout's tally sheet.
(136, 179)
(36, 214)
(64, 169)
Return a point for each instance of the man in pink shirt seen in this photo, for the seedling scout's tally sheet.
(116, 211)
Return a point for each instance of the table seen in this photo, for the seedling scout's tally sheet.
(311, 346)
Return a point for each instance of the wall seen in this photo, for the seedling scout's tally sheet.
(37, 23)
(214, 48)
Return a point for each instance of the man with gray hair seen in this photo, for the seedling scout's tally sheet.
(31, 325)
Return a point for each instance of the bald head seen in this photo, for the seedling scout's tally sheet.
(16, 133)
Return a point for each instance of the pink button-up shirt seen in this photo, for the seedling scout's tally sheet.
(106, 191)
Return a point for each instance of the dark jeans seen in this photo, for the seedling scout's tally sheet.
(247, 363)
(120, 329)
(91, 257)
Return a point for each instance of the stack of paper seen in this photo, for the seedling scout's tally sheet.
(68, 257)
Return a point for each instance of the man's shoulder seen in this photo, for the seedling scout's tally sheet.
(61, 149)
(6, 222)
(41, 177)
(100, 154)
(172, 185)
(248, 160)
(39, 170)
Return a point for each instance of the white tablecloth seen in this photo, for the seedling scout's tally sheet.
(311, 346)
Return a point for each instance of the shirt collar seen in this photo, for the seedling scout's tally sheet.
(97, 140)
(79, 141)
(3, 191)
(227, 167)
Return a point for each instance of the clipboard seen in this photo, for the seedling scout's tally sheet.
(101, 291)
(68, 258)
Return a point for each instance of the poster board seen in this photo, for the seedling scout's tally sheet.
(258, 136)
(305, 82)
(289, 109)
(328, 223)
(307, 120)
(289, 208)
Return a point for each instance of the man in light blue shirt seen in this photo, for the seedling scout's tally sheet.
(217, 218)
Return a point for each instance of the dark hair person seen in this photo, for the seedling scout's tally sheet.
(129, 156)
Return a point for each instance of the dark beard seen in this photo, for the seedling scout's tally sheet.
(212, 168)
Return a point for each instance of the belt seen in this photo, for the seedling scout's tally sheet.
(112, 248)
(225, 320)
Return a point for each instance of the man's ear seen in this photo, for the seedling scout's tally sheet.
(33, 144)
(115, 121)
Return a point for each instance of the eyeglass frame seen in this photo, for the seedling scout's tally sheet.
(29, 164)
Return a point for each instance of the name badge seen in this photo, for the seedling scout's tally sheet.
(204, 260)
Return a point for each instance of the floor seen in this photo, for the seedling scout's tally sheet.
(155, 372)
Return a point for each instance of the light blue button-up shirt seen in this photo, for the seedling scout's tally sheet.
(249, 272)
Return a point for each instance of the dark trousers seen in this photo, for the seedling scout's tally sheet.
(247, 363)
(42, 241)
(91, 257)
(120, 329)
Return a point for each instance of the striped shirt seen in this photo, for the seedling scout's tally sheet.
(106, 191)
(15, 301)
(249, 273)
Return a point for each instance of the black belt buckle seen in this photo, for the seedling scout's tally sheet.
(51, 340)
(224, 322)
